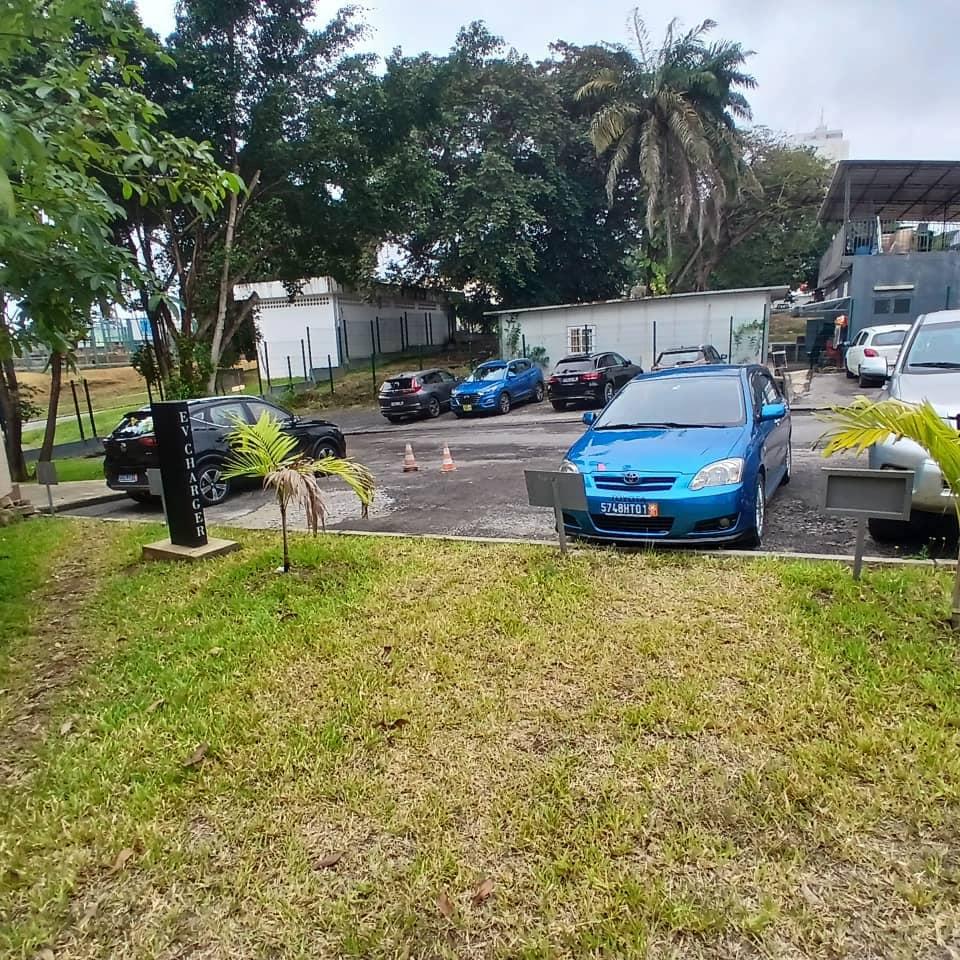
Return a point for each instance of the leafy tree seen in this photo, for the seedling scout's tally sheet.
(668, 114)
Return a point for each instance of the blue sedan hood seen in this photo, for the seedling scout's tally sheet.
(681, 451)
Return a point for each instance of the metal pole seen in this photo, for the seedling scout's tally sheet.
(259, 379)
(373, 343)
(289, 372)
(373, 371)
(76, 406)
(858, 550)
(404, 333)
(303, 357)
(310, 353)
(523, 343)
(730, 347)
(558, 513)
(654, 360)
(50, 498)
(379, 342)
(160, 389)
(420, 351)
(428, 328)
(266, 367)
(330, 372)
(93, 424)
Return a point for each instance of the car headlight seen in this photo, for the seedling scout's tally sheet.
(719, 474)
(566, 466)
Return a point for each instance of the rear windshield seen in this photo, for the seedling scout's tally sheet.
(889, 339)
(135, 424)
(398, 383)
(674, 358)
(682, 400)
(574, 366)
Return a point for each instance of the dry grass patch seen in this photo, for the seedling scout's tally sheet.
(447, 750)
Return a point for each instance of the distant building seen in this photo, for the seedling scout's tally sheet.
(828, 144)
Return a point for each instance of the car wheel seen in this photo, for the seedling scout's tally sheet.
(607, 393)
(891, 531)
(538, 393)
(433, 408)
(788, 473)
(459, 414)
(865, 381)
(850, 374)
(503, 402)
(214, 488)
(755, 537)
(394, 419)
(139, 497)
(324, 449)
(558, 405)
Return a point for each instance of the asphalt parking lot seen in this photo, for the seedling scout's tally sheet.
(486, 495)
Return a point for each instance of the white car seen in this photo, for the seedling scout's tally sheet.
(873, 344)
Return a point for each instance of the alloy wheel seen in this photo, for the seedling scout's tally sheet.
(213, 488)
(504, 402)
(760, 508)
(608, 393)
(433, 408)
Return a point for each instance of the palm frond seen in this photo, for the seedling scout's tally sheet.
(604, 82)
(259, 448)
(863, 423)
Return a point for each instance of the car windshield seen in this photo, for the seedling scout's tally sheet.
(890, 339)
(677, 401)
(675, 358)
(135, 424)
(577, 365)
(935, 347)
(489, 373)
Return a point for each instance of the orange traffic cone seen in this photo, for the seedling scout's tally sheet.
(409, 460)
(448, 465)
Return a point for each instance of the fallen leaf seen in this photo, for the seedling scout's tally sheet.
(45, 954)
(483, 892)
(122, 857)
(330, 860)
(216, 651)
(196, 758)
(445, 905)
(66, 727)
(393, 724)
(156, 705)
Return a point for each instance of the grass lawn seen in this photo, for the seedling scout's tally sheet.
(75, 468)
(415, 749)
(68, 431)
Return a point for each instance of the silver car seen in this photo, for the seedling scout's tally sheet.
(928, 368)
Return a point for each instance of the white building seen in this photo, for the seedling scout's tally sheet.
(828, 144)
(736, 322)
(326, 320)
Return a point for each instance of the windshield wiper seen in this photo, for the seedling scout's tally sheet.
(670, 424)
(939, 364)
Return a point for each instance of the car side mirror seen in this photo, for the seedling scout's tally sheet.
(626, 363)
(723, 356)
(589, 417)
(773, 411)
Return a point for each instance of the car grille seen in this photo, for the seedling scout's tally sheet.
(658, 525)
(614, 481)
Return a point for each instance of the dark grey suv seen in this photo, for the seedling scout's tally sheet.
(420, 393)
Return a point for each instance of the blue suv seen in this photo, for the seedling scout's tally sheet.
(496, 386)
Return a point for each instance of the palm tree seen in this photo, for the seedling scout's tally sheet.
(864, 423)
(262, 449)
(668, 115)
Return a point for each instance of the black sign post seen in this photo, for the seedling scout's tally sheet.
(181, 489)
(178, 472)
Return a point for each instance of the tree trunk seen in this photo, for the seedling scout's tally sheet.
(216, 347)
(283, 529)
(56, 378)
(12, 420)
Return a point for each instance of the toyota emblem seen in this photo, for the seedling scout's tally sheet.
(631, 478)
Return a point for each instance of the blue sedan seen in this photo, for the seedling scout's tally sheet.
(687, 455)
(496, 386)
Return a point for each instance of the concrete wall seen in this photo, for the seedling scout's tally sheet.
(735, 323)
(934, 276)
(283, 325)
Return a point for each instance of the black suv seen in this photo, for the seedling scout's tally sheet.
(131, 449)
(589, 377)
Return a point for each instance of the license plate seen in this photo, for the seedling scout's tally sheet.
(127, 478)
(630, 508)
(396, 403)
(569, 379)
(467, 407)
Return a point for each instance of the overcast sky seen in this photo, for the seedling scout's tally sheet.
(885, 71)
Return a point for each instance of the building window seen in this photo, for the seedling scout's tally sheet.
(901, 305)
(881, 306)
(581, 339)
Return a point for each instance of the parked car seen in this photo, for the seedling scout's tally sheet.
(874, 351)
(688, 356)
(131, 449)
(928, 368)
(589, 378)
(496, 386)
(420, 393)
(688, 455)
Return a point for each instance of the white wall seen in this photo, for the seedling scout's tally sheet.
(356, 317)
(283, 325)
(627, 326)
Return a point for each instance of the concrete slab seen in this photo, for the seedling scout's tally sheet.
(165, 550)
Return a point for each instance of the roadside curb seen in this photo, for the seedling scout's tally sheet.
(427, 427)
(81, 502)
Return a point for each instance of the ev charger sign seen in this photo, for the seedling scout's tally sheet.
(178, 472)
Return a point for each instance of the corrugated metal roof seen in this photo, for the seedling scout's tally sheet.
(909, 190)
(770, 291)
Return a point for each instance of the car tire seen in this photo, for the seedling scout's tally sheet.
(538, 394)
(755, 537)
(324, 449)
(433, 408)
(608, 392)
(394, 419)
(214, 488)
(865, 381)
(459, 414)
(850, 374)
(138, 496)
(503, 403)
(558, 405)
(891, 531)
(789, 472)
